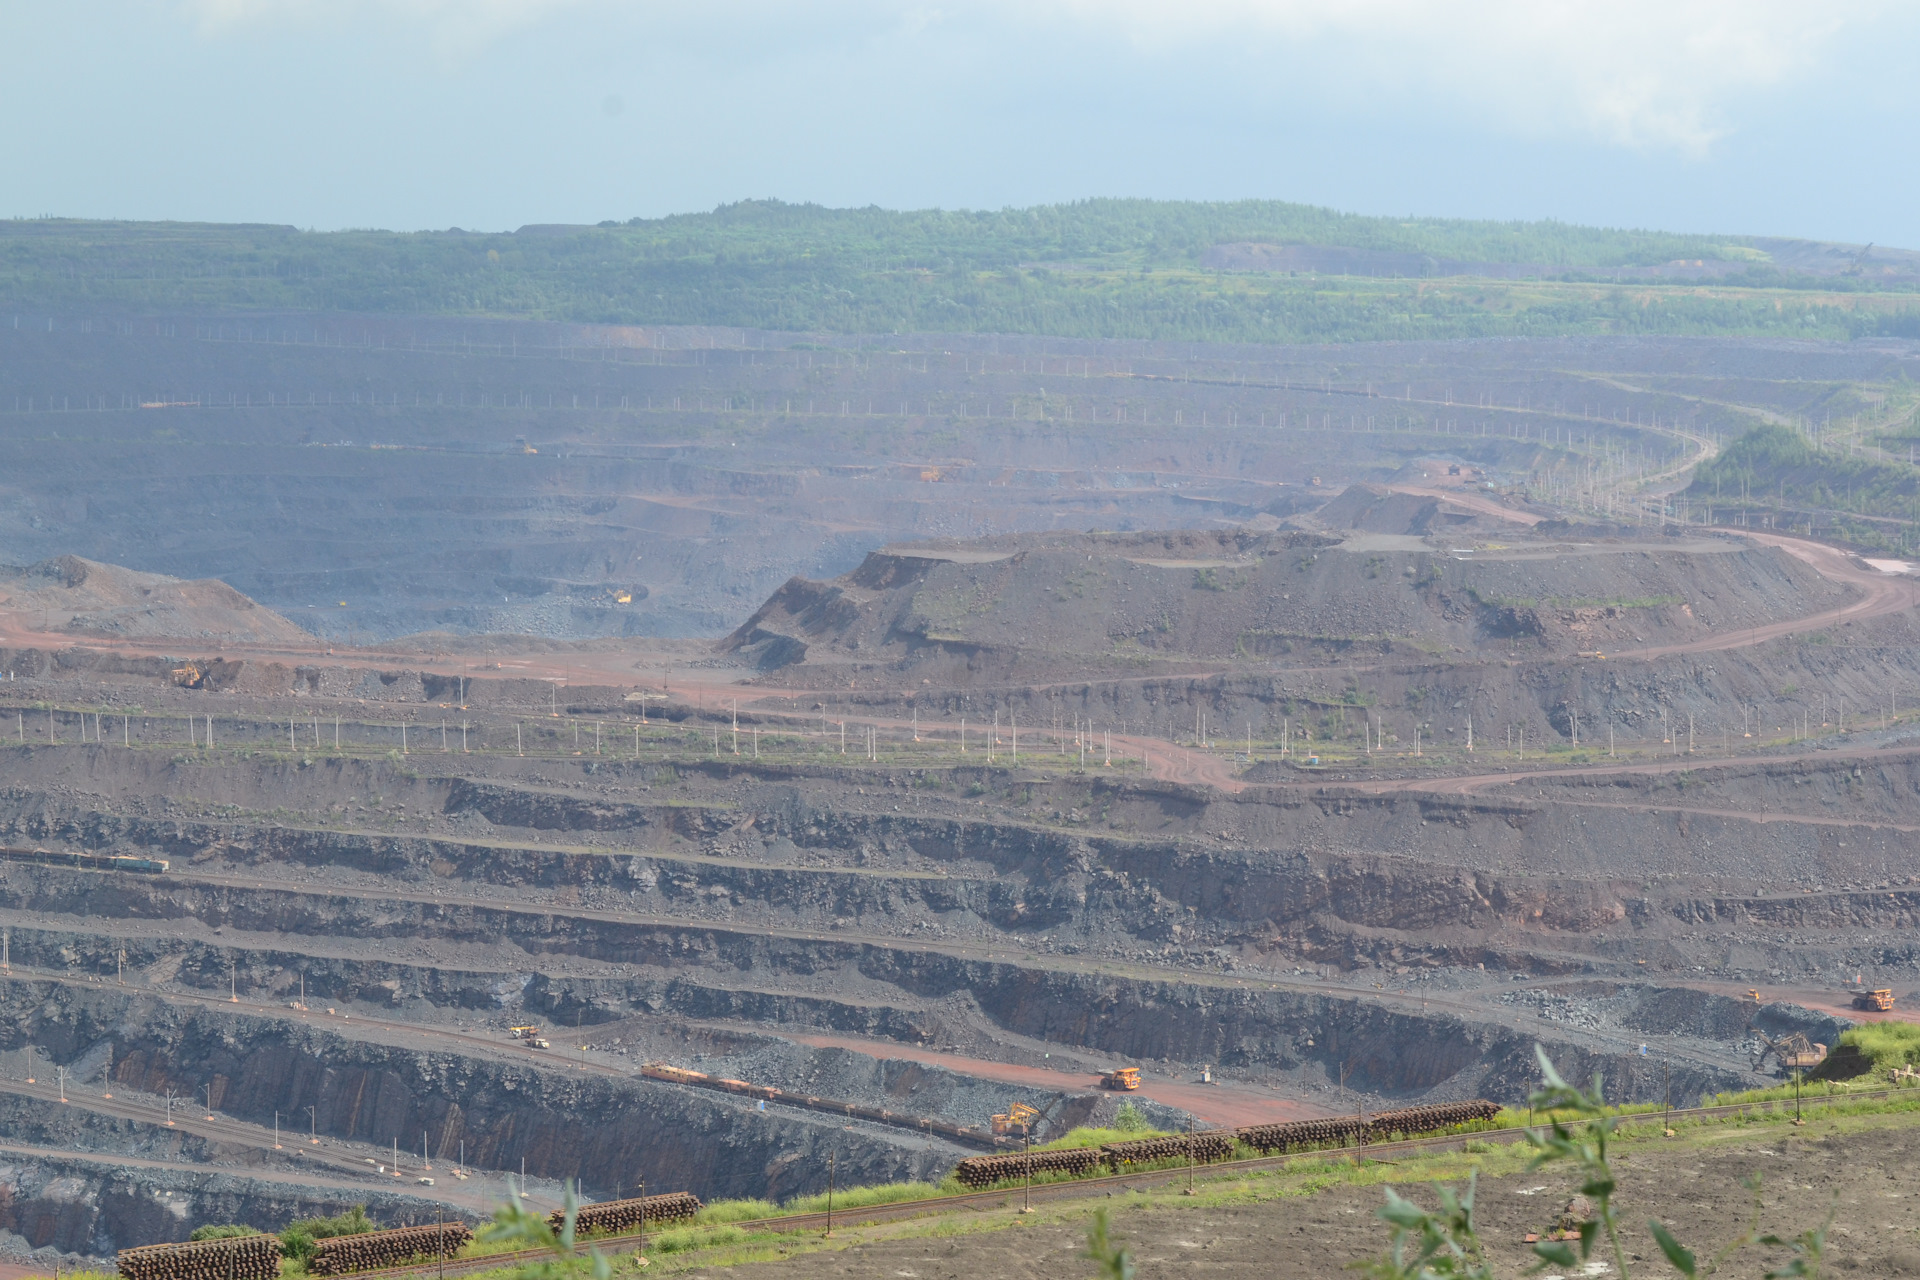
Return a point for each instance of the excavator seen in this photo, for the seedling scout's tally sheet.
(1019, 1117)
(1793, 1052)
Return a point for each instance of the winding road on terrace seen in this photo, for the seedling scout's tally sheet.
(1878, 594)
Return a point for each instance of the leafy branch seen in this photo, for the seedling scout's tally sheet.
(1444, 1244)
(514, 1225)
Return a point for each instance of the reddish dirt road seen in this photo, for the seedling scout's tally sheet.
(1470, 784)
(1471, 501)
(651, 667)
(1219, 1104)
(1880, 594)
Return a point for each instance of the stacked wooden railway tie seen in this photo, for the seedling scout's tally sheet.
(255, 1257)
(619, 1215)
(1219, 1144)
(366, 1250)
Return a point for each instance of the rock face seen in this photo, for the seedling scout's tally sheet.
(604, 1134)
(86, 1209)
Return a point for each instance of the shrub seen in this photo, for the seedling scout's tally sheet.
(1884, 1045)
(296, 1242)
(221, 1231)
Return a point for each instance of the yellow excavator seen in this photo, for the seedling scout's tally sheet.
(1793, 1052)
(1018, 1117)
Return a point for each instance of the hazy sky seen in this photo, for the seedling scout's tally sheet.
(1756, 116)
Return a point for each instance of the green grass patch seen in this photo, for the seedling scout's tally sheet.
(1100, 1138)
(1883, 1045)
(848, 1198)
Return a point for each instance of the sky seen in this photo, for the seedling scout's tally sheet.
(1756, 117)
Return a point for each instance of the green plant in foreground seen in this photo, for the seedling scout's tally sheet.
(517, 1227)
(1130, 1119)
(1111, 1261)
(1440, 1246)
(1445, 1244)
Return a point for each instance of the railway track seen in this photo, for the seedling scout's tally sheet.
(1088, 1188)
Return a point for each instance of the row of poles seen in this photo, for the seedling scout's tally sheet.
(1088, 741)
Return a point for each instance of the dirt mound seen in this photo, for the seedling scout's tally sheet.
(1124, 599)
(1374, 510)
(87, 598)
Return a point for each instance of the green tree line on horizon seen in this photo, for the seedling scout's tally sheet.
(1094, 269)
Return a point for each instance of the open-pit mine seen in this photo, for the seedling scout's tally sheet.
(434, 752)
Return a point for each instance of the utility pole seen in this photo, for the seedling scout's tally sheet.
(1026, 1148)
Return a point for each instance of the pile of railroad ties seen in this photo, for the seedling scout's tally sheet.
(257, 1257)
(626, 1215)
(338, 1255)
(1220, 1144)
(254, 1257)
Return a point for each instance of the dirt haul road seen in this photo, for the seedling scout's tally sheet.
(1880, 594)
(1217, 1104)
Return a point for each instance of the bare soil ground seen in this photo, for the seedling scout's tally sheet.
(1694, 1184)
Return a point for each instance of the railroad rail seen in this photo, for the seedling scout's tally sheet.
(1085, 1188)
